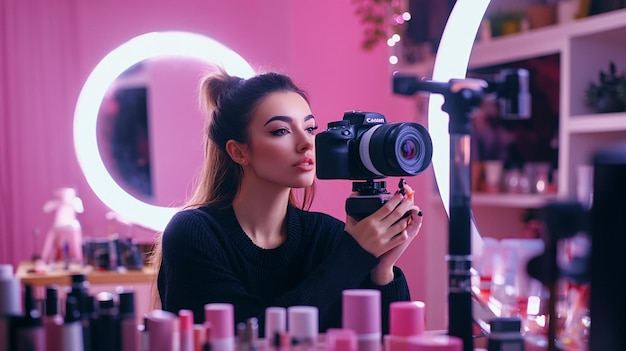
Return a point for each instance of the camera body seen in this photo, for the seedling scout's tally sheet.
(364, 147)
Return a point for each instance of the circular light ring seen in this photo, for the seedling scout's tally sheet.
(138, 49)
(451, 62)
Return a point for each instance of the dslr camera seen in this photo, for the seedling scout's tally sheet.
(364, 147)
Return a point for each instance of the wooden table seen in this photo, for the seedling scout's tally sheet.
(56, 274)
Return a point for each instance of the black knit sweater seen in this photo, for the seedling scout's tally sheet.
(208, 258)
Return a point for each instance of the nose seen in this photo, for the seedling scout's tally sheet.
(306, 141)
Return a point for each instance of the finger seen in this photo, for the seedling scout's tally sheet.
(388, 207)
(399, 212)
(398, 239)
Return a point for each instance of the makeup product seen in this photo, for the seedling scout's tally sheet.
(436, 342)
(222, 319)
(505, 334)
(406, 319)
(52, 320)
(89, 317)
(185, 318)
(79, 288)
(162, 334)
(361, 312)
(29, 332)
(106, 329)
(199, 336)
(72, 330)
(252, 334)
(129, 333)
(10, 303)
(341, 340)
(207, 338)
(275, 323)
(303, 326)
(144, 337)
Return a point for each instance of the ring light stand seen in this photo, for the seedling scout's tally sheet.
(461, 97)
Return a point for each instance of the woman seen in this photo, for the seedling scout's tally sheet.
(243, 240)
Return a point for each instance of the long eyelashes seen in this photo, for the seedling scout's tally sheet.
(283, 131)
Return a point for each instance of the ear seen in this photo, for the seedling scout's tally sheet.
(237, 152)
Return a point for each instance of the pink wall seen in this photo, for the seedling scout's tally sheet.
(51, 46)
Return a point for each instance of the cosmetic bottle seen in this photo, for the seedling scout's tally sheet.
(144, 338)
(106, 329)
(248, 335)
(341, 340)
(185, 318)
(505, 334)
(10, 304)
(199, 336)
(72, 334)
(52, 320)
(361, 312)
(79, 288)
(406, 320)
(303, 326)
(222, 320)
(29, 332)
(129, 333)
(275, 324)
(162, 332)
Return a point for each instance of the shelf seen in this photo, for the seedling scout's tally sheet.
(547, 40)
(64, 276)
(598, 123)
(512, 200)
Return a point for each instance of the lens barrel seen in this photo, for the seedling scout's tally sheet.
(396, 149)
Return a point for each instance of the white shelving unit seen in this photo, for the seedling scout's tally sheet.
(585, 46)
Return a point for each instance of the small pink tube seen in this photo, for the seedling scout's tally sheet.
(275, 323)
(303, 323)
(161, 326)
(341, 340)
(185, 318)
(361, 312)
(406, 318)
(221, 317)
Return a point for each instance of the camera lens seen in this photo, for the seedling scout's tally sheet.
(408, 149)
(396, 149)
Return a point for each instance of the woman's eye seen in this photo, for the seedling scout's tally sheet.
(311, 130)
(280, 131)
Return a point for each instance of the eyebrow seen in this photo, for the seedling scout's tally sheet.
(286, 119)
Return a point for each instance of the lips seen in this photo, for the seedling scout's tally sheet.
(305, 162)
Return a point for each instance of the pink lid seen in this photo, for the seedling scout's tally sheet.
(361, 310)
(222, 319)
(406, 318)
(429, 342)
(341, 340)
(185, 318)
(303, 322)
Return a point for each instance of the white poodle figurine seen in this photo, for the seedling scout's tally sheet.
(64, 239)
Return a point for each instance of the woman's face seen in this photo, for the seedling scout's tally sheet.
(281, 150)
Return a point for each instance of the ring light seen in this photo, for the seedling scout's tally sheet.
(138, 49)
(451, 62)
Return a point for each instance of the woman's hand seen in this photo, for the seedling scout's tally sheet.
(383, 273)
(386, 234)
